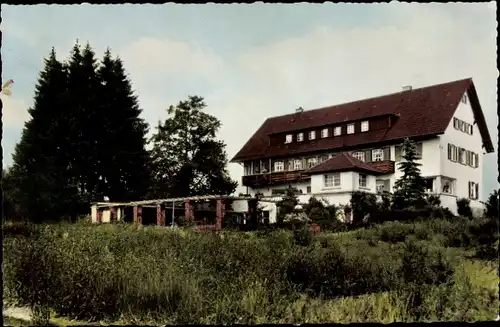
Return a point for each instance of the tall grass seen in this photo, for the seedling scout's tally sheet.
(393, 272)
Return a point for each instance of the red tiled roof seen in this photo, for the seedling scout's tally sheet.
(420, 112)
(343, 162)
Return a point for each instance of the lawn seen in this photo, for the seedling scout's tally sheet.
(121, 274)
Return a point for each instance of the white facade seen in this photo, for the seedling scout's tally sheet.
(446, 178)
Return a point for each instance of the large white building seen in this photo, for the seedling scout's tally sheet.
(330, 152)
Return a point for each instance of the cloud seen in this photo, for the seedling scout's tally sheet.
(149, 57)
(15, 111)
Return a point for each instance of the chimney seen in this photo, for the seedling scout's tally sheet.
(299, 110)
(407, 88)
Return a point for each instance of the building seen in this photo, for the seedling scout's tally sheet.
(330, 152)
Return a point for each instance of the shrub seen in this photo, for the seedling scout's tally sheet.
(463, 208)
(492, 205)
(362, 203)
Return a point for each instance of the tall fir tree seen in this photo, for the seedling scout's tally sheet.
(42, 188)
(186, 157)
(85, 139)
(123, 158)
(409, 190)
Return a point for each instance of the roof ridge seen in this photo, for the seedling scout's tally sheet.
(374, 97)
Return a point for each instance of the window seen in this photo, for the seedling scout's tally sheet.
(297, 164)
(312, 135)
(328, 180)
(311, 162)
(324, 132)
(360, 155)
(364, 126)
(476, 160)
(308, 190)
(464, 98)
(382, 185)
(337, 131)
(463, 156)
(473, 190)
(300, 137)
(323, 158)
(362, 180)
(289, 165)
(350, 129)
(429, 184)
(278, 166)
(377, 155)
(452, 154)
(455, 122)
(471, 129)
(332, 180)
(447, 185)
(288, 138)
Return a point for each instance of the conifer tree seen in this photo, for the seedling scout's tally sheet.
(409, 190)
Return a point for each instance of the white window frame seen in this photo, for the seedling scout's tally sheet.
(331, 180)
(378, 155)
(328, 180)
(336, 180)
(279, 166)
(380, 185)
(363, 180)
(312, 135)
(365, 126)
(297, 164)
(360, 155)
(337, 131)
(350, 128)
(300, 137)
(288, 138)
(324, 133)
(472, 191)
(311, 162)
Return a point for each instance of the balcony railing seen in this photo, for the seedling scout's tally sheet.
(275, 178)
(387, 166)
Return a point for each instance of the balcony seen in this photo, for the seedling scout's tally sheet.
(276, 178)
(387, 166)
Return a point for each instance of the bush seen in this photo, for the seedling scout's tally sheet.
(362, 204)
(463, 208)
(492, 205)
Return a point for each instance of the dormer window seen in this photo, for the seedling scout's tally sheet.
(312, 135)
(337, 131)
(300, 137)
(364, 126)
(324, 132)
(288, 138)
(350, 129)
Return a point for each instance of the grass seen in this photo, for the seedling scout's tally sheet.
(122, 274)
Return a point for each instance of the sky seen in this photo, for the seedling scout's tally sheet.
(255, 61)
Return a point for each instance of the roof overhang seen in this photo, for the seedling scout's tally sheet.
(480, 119)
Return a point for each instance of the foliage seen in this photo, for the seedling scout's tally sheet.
(286, 205)
(492, 205)
(187, 160)
(178, 276)
(362, 204)
(409, 190)
(84, 139)
(322, 213)
(463, 208)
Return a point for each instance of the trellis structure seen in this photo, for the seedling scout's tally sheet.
(187, 202)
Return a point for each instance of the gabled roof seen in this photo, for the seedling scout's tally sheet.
(343, 162)
(420, 112)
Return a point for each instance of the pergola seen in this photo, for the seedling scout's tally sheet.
(188, 202)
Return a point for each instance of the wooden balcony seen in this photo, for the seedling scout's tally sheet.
(276, 178)
(387, 166)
